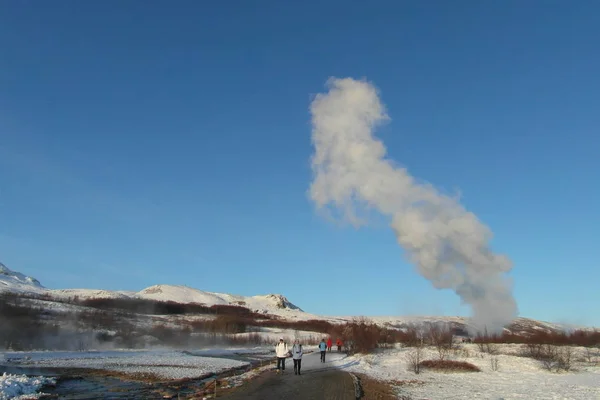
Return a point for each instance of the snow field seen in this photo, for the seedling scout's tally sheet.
(516, 377)
(163, 364)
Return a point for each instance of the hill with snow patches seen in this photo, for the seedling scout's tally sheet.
(277, 304)
(271, 304)
(17, 282)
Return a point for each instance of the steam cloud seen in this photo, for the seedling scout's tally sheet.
(352, 176)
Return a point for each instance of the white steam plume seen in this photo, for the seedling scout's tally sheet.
(352, 175)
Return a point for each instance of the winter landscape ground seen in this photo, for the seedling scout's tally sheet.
(167, 335)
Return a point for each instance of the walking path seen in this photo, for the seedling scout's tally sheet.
(319, 381)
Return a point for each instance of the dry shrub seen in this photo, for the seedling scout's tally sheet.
(555, 358)
(374, 389)
(450, 366)
(361, 335)
(573, 338)
(487, 347)
(591, 354)
(415, 357)
(441, 337)
(411, 337)
(460, 352)
(565, 358)
(495, 363)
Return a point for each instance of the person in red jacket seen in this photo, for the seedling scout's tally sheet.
(329, 343)
(339, 345)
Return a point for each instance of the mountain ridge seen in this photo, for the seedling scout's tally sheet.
(272, 304)
(16, 282)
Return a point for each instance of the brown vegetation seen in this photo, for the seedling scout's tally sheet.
(374, 389)
(573, 338)
(450, 366)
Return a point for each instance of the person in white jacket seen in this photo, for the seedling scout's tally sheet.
(297, 356)
(281, 351)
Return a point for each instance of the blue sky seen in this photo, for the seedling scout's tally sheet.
(159, 142)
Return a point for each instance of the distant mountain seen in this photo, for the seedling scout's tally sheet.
(277, 304)
(273, 304)
(17, 282)
(185, 294)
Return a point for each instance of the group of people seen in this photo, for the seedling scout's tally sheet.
(338, 343)
(282, 351)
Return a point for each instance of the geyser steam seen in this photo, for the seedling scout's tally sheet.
(352, 175)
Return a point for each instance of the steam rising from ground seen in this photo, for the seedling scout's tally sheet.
(352, 175)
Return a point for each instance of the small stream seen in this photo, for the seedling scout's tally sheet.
(80, 384)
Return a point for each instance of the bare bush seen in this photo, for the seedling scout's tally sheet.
(460, 352)
(583, 338)
(415, 357)
(564, 358)
(552, 357)
(532, 350)
(494, 363)
(361, 335)
(412, 336)
(441, 337)
(591, 354)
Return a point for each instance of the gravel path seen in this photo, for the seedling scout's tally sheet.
(318, 381)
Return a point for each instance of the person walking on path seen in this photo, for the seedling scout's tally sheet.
(281, 351)
(323, 349)
(339, 345)
(329, 343)
(297, 356)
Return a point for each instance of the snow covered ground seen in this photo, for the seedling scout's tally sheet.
(21, 387)
(163, 364)
(516, 378)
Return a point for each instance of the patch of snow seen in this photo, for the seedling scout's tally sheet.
(91, 293)
(164, 364)
(17, 282)
(517, 377)
(21, 386)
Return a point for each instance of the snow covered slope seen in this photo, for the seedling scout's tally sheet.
(18, 283)
(274, 304)
(91, 294)
(271, 303)
(11, 281)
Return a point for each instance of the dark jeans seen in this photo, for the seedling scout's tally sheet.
(281, 363)
(323, 356)
(297, 365)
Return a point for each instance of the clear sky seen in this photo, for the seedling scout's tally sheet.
(169, 142)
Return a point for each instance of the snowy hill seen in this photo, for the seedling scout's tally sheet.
(185, 294)
(11, 281)
(273, 304)
(17, 282)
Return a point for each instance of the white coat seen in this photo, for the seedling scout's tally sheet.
(297, 351)
(281, 350)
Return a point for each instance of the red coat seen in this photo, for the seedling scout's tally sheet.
(328, 342)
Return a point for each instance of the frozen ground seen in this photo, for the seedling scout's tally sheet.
(21, 386)
(164, 364)
(517, 377)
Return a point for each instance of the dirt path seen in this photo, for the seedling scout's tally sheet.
(318, 381)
